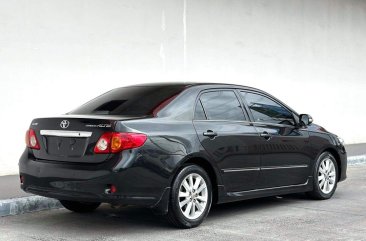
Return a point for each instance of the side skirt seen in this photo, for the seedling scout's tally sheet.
(266, 192)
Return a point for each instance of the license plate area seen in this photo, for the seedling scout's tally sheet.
(66, 146)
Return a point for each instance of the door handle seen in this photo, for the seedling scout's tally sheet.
(210, 133)
(266, 135)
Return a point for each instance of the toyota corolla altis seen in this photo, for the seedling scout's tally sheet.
(178, 149)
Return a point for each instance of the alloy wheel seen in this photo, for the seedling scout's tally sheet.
(326, 176)
(193, 196)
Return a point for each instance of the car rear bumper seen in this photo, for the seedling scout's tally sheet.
(135, 185)
(81, 191)
(152, 202)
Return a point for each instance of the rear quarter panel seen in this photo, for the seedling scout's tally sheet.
(170, 143)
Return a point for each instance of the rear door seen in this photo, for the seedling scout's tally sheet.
(284, 147)
(231, 141)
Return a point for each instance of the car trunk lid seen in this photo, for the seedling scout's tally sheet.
(72, 138)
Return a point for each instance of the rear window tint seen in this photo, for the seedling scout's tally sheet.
(222, 105)
(129, 101)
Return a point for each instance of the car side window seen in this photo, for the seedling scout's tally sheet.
(199, 113)
(222, 105)
(264, 109)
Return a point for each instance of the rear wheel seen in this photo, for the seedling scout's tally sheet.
(325, 177)
(191, 197)
(80, 207)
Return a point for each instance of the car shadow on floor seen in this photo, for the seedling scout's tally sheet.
(127, 219)
(253, 205)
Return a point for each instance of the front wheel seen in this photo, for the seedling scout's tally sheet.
(325, 177)
(79, 207)
(191, 197)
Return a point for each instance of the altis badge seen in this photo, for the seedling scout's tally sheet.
(99, 125)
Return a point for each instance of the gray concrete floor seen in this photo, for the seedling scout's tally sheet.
(10, 187)
(292, 217)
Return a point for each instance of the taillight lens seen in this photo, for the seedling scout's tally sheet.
(114, 142)
(103, 144)
(31, 140)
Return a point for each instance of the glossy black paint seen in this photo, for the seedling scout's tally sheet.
(245, 159)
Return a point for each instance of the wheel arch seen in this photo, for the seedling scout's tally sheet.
(208, 167)
(337, 157)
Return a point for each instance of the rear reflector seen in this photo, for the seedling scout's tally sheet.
(31, 140)
(114, 142)
(111, 189)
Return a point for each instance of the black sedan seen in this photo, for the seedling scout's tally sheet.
(178, 148)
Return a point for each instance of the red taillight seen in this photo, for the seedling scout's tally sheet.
(114, 142)
(31, 140)
(104, 143)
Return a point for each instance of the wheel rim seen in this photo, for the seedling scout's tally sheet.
(193, 196)
(327, 176)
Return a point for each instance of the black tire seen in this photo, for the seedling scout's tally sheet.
(80, 207)
(317, 192)
(175, 215)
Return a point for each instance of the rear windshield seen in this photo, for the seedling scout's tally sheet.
(129, 101)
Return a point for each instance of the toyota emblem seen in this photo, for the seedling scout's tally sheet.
(64, 124)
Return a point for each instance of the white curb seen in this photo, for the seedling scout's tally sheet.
(356, 160)
(22, 205)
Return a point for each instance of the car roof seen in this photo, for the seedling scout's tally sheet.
(192, 84)
(204, 85)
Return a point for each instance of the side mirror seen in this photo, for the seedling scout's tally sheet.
(305, 119)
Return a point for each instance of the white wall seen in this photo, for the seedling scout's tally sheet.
(55, 55)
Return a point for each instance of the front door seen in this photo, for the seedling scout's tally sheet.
(283, 146)
(229, 138)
